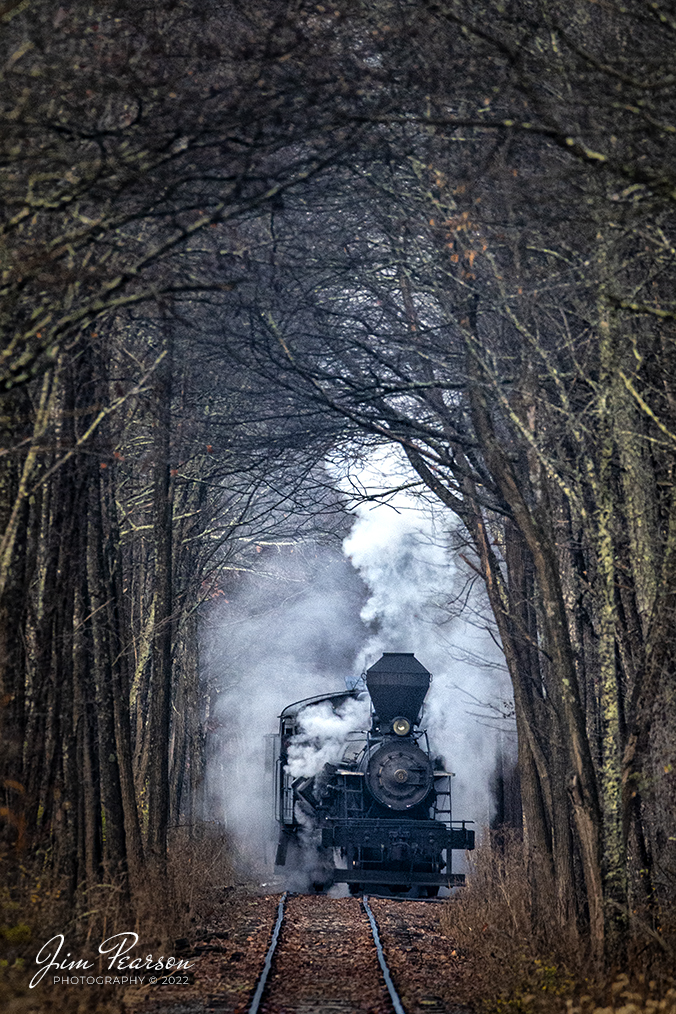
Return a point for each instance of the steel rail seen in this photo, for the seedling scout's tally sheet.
(394, 997)
(255, 1003)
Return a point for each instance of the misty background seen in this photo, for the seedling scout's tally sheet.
(311, 614)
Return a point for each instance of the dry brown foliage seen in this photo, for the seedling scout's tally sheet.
(525, 966)
(166, 911)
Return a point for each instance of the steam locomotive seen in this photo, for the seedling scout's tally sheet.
(379, 819)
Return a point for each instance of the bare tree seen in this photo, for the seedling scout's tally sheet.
(488, 288)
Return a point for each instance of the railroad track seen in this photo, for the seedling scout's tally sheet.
(326, 957)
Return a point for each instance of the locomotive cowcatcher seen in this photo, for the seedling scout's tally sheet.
(379, 819)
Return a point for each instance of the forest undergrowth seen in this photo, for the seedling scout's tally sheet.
(165, 910)
(530, 965)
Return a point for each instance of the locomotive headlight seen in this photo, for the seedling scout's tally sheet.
(401, 726)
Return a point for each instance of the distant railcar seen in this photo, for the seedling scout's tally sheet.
(379, 819)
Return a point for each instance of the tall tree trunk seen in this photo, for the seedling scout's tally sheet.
(119, 670)
(161, 687)
(532, 523)
(115, 853)
(90, 843)
(614, 859)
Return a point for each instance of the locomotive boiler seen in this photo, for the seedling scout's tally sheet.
(380, 817)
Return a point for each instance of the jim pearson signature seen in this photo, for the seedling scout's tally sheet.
(116, 947)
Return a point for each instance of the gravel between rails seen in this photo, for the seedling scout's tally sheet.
(326, 961)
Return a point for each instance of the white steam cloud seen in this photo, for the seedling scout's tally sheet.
(398, 587)
(324, 735)
(422, 601)
(276, 640)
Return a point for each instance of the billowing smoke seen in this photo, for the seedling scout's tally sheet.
(399, 586)
(325, 735)
(422, 599)
(278, 635)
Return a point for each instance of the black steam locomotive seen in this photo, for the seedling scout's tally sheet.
(379, 819)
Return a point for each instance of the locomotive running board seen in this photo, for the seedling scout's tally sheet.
(397, 877)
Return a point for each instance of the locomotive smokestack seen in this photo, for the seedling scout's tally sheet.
(397, 683)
